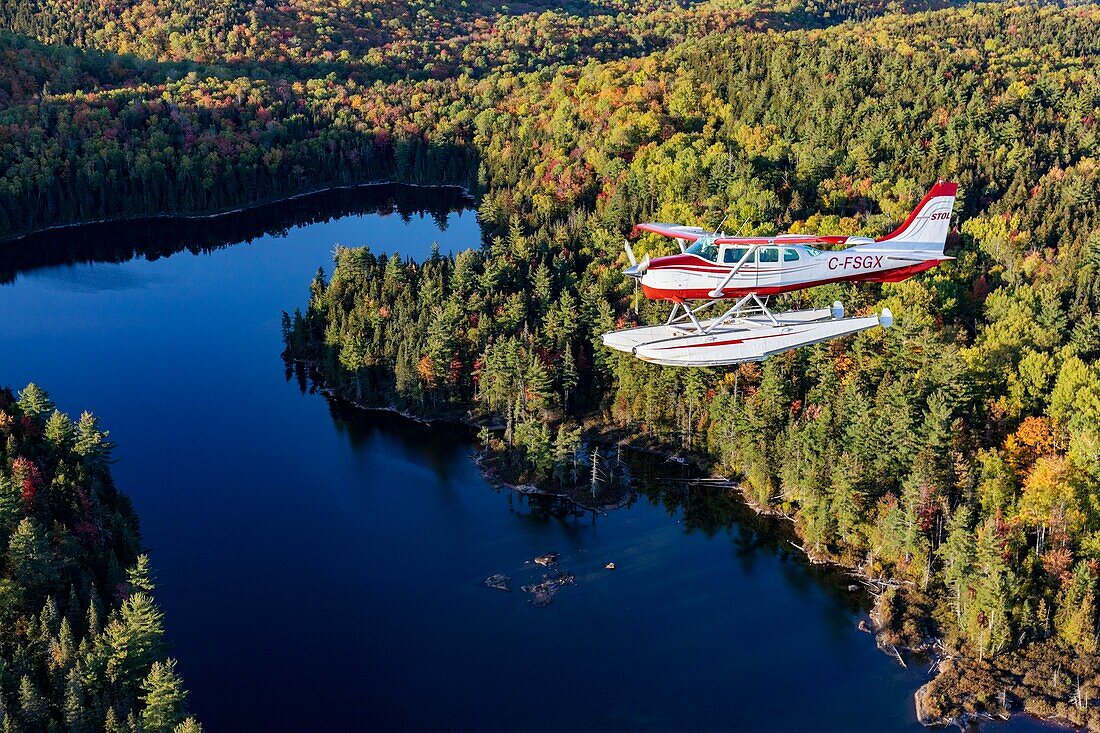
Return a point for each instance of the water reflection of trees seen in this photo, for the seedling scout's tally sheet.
(716, 509)
(119, 241)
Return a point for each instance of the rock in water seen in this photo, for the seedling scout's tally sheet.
(498, 581)
(609, 566)
(550, 558)
(542, 593)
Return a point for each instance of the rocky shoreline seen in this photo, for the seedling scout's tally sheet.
(934, 706)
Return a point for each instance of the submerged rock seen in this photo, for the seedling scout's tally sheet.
(550, 558)
(498, 581)
(542, 593)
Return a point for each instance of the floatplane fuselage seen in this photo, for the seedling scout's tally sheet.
(712, 268)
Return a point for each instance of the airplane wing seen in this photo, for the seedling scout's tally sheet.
(674, 231)
(782, 239)
(691, 234)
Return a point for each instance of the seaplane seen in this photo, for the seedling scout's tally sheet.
(713, 268)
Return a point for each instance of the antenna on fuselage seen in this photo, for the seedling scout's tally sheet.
(719, 229)
(739, 228)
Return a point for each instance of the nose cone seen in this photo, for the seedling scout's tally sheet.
(637, 270)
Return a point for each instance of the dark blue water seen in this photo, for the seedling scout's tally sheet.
(321, 570)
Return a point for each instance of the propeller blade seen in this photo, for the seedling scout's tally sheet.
(629, 253)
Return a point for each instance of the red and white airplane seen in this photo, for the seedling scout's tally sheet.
(713, 267)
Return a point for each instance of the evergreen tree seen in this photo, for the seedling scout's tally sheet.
(164, 698)
(33, 706)
(957, 554)
(60, 430)
(1075, 620)
(130, 644)
(139, 575)
(33, 565)
(34, 402)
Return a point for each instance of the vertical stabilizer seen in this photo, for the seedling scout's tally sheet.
(926, 228)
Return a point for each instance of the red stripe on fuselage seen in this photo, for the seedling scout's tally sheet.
(882, 276)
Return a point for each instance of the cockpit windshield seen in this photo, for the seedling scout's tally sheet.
(704, 248)
(812, 251)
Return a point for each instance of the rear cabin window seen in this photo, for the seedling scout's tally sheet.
(769, 254)
(733, 255)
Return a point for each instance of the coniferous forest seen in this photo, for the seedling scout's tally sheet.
(955, 457)
(81, 639)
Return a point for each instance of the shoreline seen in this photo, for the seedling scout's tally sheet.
(217, 214)
(464, 419)
(874, 587)
(490, 475)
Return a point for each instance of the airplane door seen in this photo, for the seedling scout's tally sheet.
(769, 267)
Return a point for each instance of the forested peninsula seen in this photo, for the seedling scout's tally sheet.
(82, 643)
(955, 458)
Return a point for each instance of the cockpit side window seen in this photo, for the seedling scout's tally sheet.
(704, 248)
(790, 255)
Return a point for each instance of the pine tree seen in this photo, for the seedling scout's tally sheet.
(34, 402)
(537, 380)
(957, 554)
(569, 377)
(1076, 620)
(11, 505)
(95, 614)
(60, 430)
(33, 565)
(74, 707)
(91, 442)
(132, 642)
(989, 623)
(34, 708)
(541, 292)
(111, 724)
(190, 725)
(66, 645)
(164, 698)
(139, 576)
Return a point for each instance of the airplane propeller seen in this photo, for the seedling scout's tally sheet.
(636, 269)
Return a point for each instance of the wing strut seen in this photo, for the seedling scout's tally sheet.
(717, 292)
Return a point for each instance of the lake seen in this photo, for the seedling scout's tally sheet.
(321, 568)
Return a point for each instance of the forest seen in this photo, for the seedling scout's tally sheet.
(957, 454)
(954, 457)
(113, 109)
(82, 644)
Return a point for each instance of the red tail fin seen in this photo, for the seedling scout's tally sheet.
(926, 228)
